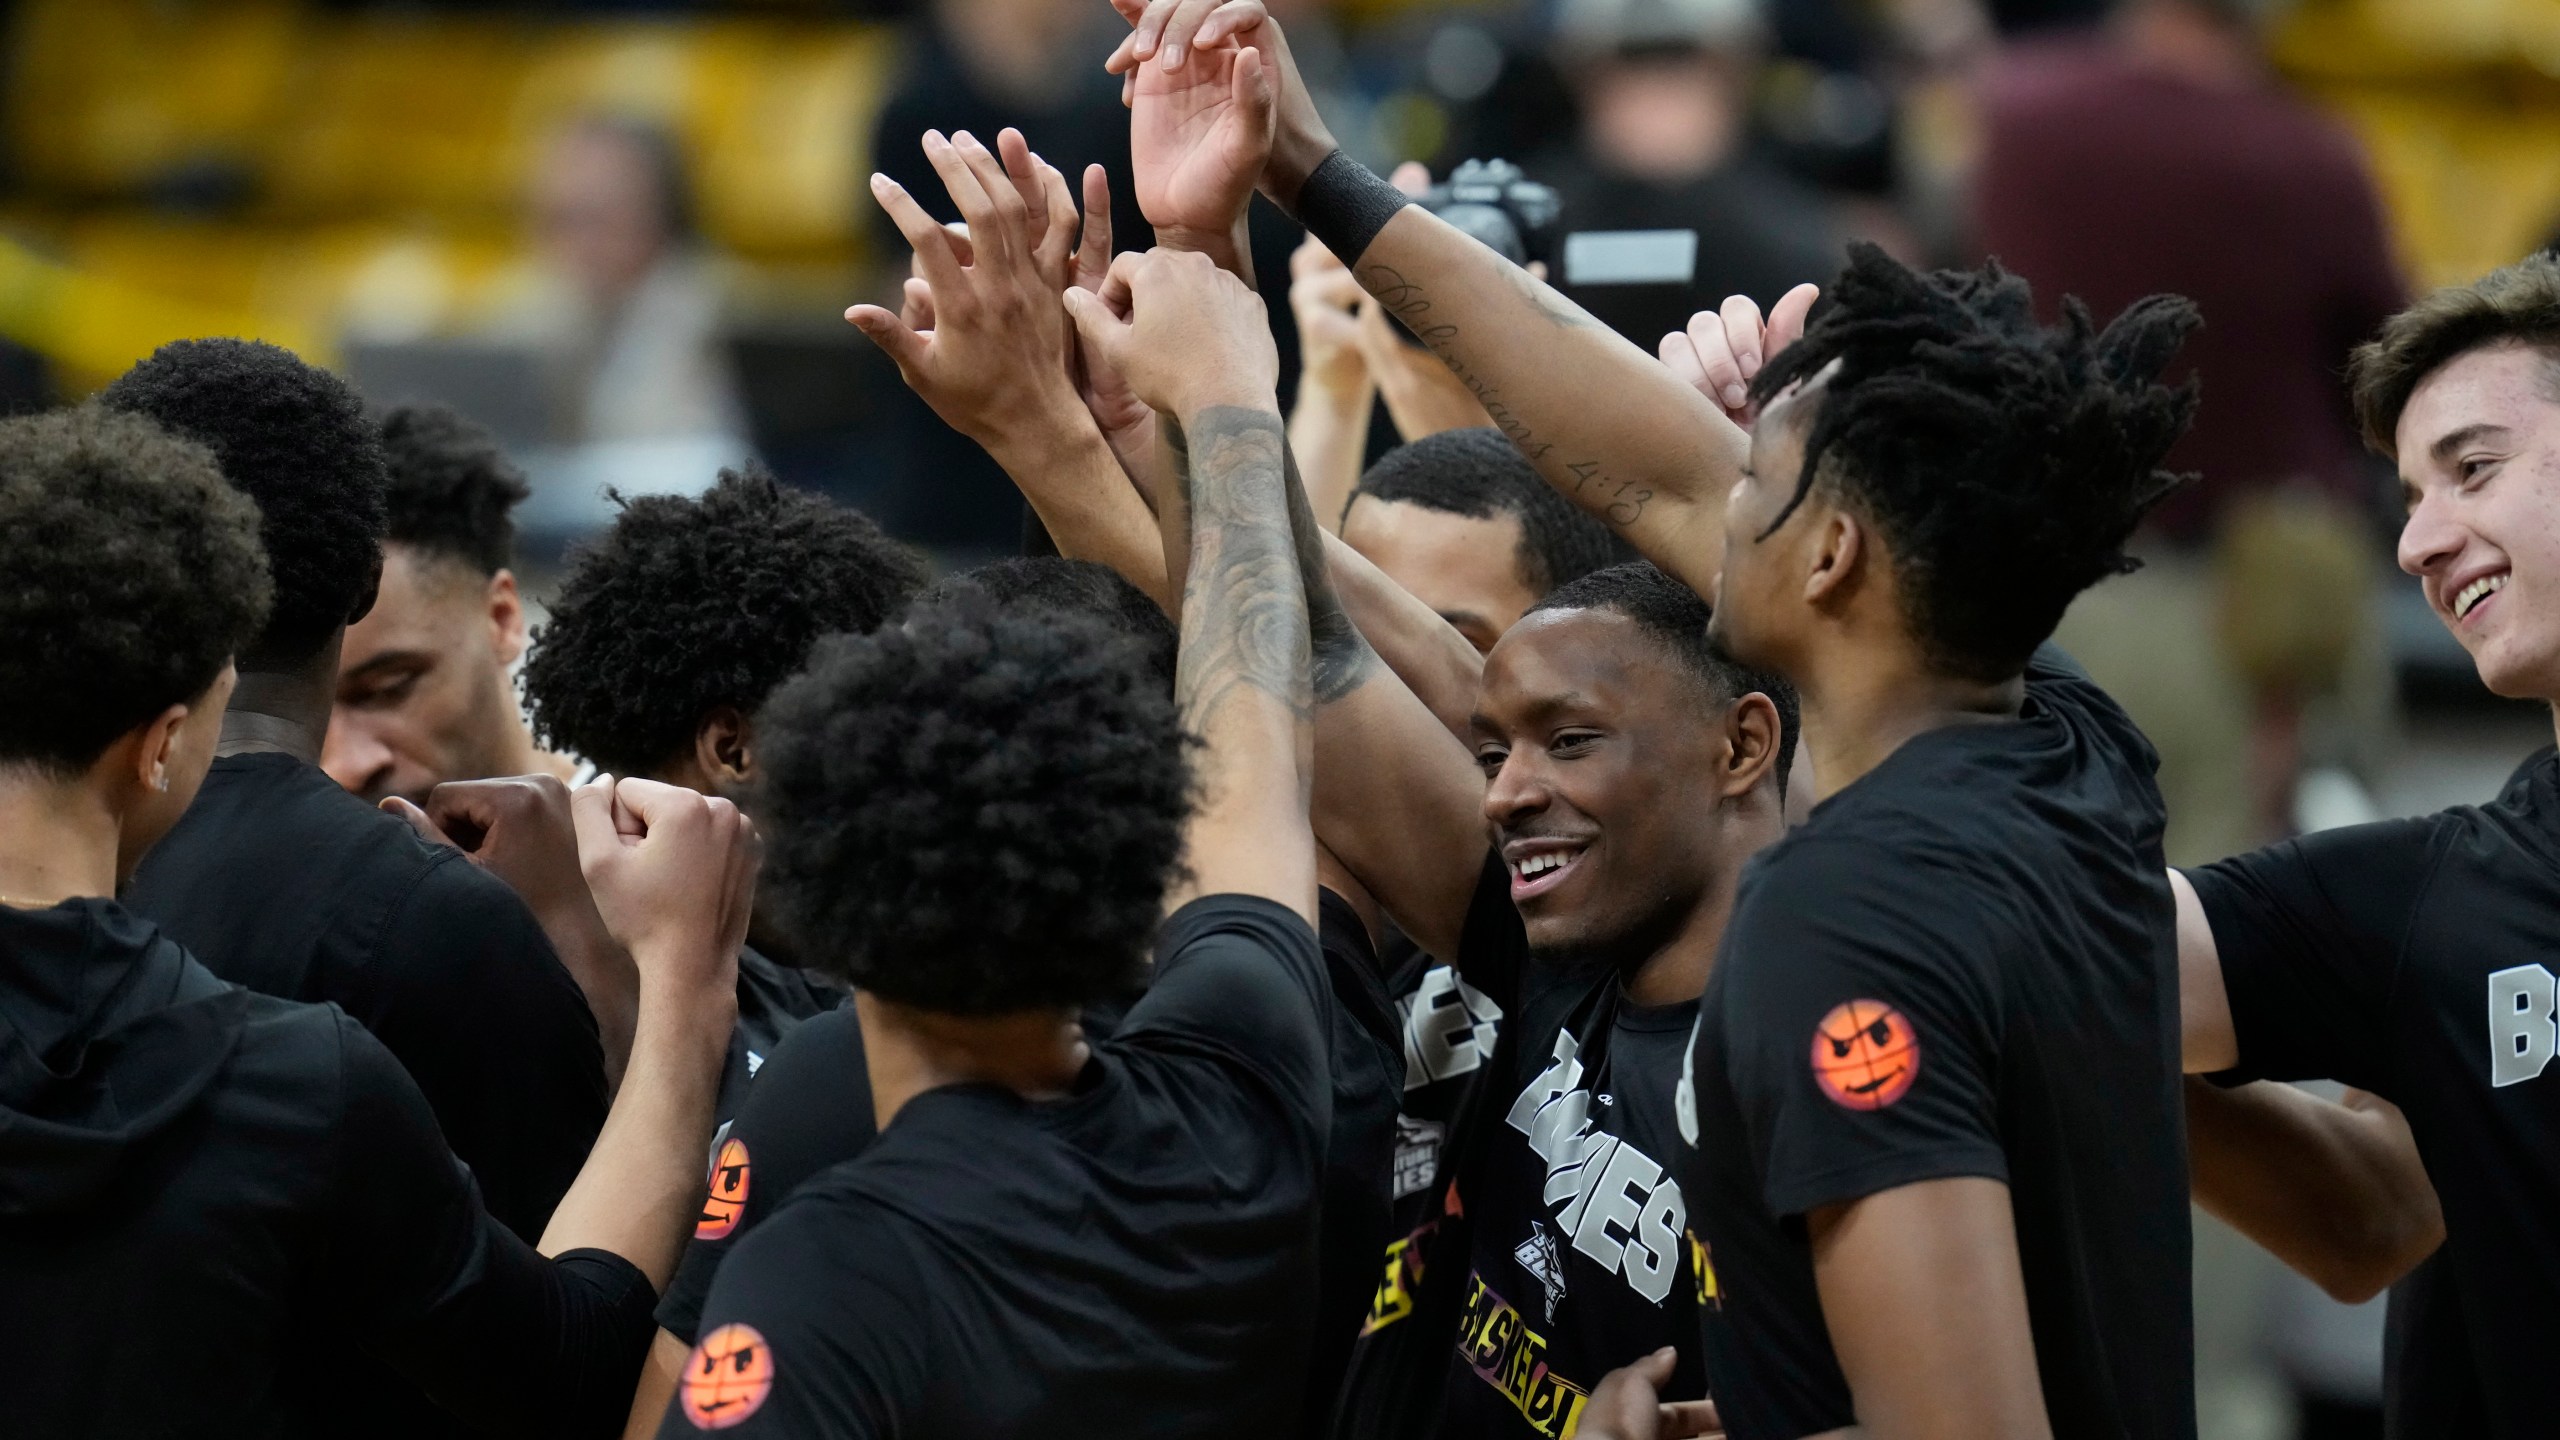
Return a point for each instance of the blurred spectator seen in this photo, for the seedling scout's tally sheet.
(1664, 87)
(2159, 154)
(629, 314)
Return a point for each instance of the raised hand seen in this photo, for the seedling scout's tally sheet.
(1124, 419)
(1198, 139)
(1169, 38)
(993, 363)
(1193, 334)
(1326, 301)
(673, 874)
(1722, 349)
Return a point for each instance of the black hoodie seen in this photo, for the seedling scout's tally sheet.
(196, 1181)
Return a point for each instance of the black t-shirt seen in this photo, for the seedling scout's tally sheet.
(1360, 1149)
(1399, 1363)
(196, 1181)
(279, 880)
(773, 999)
(1963, 964)
(2414, 959)
(808, 1110)
(1577, 1259)
(1136, 1259)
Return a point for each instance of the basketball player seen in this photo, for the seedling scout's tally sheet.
(426, 680)
(1056, 1237)
(200, 1178)
(2371, 954)
(1979, 473)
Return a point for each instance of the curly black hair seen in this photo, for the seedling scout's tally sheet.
(295, 439)
(976, 811)
(685, 606)
(1055, 583)
(1479, 474)
(2004, 462)
(134, 574)
(1673, 615)
(452, 487)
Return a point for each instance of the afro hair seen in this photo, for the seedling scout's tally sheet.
(136, 565)
(1479, 474)
(295, 439)
(1054, 583)
(2004, 462)
(1673, 615)
(686, 606)
(977, 811)
(452, 488)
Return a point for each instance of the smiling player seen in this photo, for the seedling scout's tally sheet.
(2372, 954)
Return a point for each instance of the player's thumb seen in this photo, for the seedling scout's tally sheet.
(418, 820)
(891, 334)
(1094, 321)
(591, 816)
(1256, 98)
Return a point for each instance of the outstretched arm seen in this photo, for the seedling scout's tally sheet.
(1606, 424)
(2333, 1188)
(1197, 349)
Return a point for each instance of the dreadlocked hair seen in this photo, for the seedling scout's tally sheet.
(2004, 462)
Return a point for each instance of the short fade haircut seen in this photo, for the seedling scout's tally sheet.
(2518, 305)
(134, 572)
(295, 439)
(2003, 462)
(688, 605)
(976, 811)
(1478, 474)
(1055, 584)
(1672, 614)
(452, 488)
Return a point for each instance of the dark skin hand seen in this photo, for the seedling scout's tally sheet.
(519, 829)
(1627, 1405)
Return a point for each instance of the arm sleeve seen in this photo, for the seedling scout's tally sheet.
(497, 1035)
(1868, 1059)
(510, 1341)
(1242, 976)
(2309, 934)
(809, 1333)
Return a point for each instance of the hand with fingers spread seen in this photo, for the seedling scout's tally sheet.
(673, 873)
(993, 363)
(1193, 335)
(1627, 1405)
(1166, 46)
(519, 829)
(1722, 349)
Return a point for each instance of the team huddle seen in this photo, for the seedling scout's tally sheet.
(1619, 924)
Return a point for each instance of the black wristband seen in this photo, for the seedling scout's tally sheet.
(1345, 205)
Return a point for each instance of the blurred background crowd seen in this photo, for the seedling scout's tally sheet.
(620, 235)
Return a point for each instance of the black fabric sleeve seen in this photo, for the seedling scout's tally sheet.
(1345, 204)
(1244, 975)
(511, 1342)
(485, 1018)
(2309, 933)
(812, 1329)
(809, 1108)
(1868, 1060)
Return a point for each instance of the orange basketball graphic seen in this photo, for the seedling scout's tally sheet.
(727, 1377)
(1865, 1055)
(728, 1198)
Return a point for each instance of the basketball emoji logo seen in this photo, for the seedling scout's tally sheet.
(1865, 1055)
(728, 1198)
(726, 1378)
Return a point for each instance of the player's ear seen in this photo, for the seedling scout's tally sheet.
(1840, 543)
(1751, 733)
(506, 617)
(724, 747)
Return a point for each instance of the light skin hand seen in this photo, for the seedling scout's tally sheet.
(1945, 1247)
(1198, 138)
(520, 829)
(1194, 335)
(1627, 1405)
(1329, 428)
(1721, 350)
(1170, 33)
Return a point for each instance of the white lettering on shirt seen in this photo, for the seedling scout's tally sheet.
(1616, 1202)
(1449, 1028)
(2523, 1034)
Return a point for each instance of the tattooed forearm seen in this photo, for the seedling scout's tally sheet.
(1620, 502)
(1342, 659)
(1244, 612)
